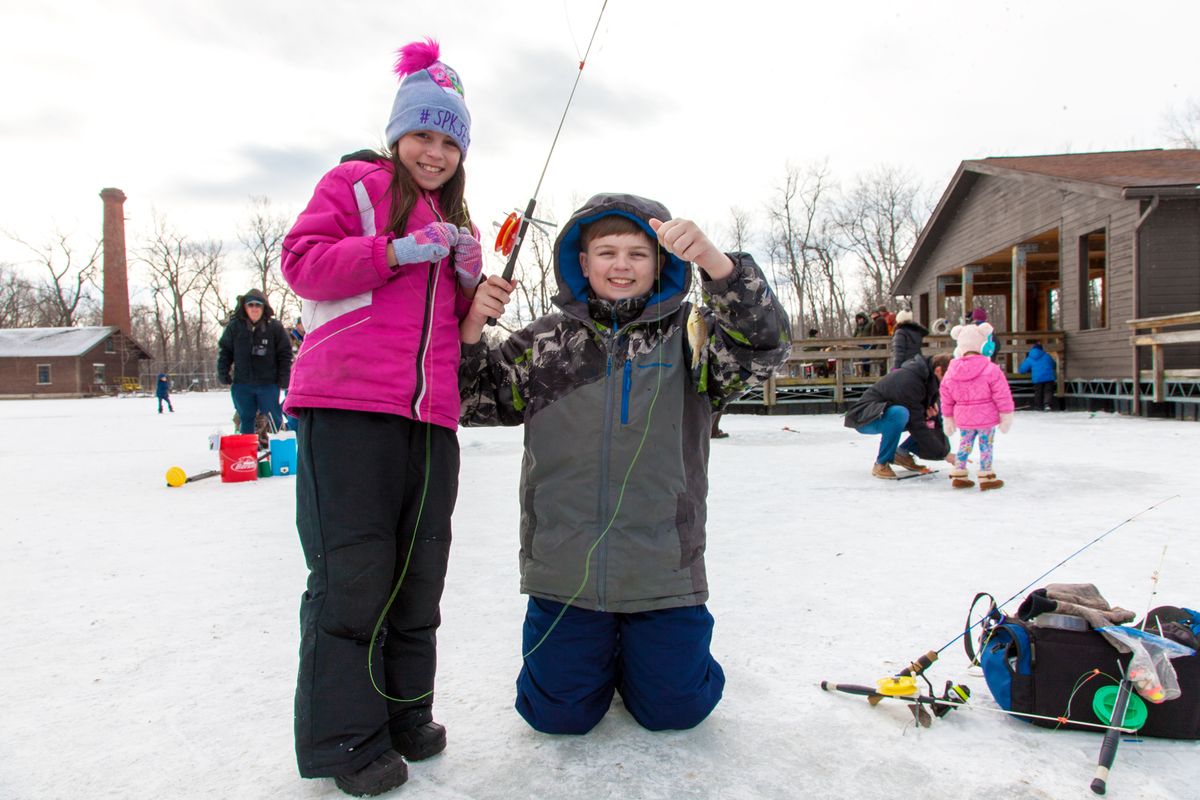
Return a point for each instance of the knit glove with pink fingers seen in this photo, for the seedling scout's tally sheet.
(468, 259)
(430, 243)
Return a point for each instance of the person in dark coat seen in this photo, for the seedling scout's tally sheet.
(906, 399)
(907, 339)
(162, 390)
(254, 358)
(1043, 374)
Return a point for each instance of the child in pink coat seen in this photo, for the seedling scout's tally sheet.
(975, 400)
(386, 260)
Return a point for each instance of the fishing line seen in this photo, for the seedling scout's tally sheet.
(512, 231)
(413, 540)
(1032, 583)
(587, 558)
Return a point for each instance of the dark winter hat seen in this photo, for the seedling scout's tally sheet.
(430, 97)
(978, 315)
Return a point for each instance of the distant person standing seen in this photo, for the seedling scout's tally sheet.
(1044, 375)
(907, 338)
(162, 390)
(254, 358)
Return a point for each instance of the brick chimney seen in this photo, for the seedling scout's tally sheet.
(116, 280)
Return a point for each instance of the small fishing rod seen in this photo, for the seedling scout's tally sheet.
(513, 229)
(923, 663)
(903, 685)
(956, 697)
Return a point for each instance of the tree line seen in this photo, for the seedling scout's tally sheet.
(830, 250)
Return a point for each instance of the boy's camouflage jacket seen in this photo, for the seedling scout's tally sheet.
(617, 407)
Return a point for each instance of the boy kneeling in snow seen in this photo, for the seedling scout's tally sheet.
(617, 397)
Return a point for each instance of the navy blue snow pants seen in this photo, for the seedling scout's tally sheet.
(658, 660)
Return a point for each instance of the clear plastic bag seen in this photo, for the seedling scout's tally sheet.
(1150, 669)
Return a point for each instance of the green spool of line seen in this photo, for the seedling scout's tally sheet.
(1106, 698)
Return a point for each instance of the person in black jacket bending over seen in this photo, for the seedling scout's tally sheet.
(905, 399)
(255, 359)
(907, 338)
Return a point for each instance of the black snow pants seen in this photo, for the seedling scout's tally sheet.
(365, 483)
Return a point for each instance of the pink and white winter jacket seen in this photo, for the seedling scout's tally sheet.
(378, 338)
(975, 393)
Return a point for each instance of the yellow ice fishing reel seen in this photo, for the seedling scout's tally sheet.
(905, 683)
(898, 686)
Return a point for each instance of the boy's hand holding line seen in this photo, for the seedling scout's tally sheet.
(491, 297)
(683, 238)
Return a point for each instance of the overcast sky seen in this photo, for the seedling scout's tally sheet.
(192, 108)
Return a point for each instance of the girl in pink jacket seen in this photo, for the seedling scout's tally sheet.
(386, 260)
(975, 400)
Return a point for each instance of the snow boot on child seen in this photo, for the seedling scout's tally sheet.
(988, 480)
(420, 742)
(960, 478)
(381, 775)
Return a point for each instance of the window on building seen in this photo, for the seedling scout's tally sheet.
(1093, 280)
(98, 373)
(43, 374)
(110, 345)
(1054, 310)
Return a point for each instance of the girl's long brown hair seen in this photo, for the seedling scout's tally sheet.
(404, 193)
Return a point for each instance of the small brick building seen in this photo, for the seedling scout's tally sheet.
(67, 362)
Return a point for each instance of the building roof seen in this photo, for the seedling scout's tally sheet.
(1124, 175)
(1122, 170)
(48, 342)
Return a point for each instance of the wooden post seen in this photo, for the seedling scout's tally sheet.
(769, 391)
(968, 288)
(1017, 306)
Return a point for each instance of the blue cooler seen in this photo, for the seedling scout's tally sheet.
(283, 456)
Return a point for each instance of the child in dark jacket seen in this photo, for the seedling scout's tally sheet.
(1043, 375)
(162, 391)
(977, 400)
(616, 391)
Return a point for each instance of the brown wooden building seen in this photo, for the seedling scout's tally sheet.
(67, 362)
(1089, 245)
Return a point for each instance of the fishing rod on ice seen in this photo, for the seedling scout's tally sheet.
(512, 230)
(904, 683)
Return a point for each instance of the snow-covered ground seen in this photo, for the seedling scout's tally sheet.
(150, 634)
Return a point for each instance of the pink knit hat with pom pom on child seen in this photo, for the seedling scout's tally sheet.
(430, 97)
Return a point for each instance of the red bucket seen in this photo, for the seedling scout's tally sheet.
(239, 458)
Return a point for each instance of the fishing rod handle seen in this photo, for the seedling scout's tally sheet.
(921, 664)
(1112, 738)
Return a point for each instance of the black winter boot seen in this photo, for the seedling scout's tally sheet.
(420, 742)
(381, 775)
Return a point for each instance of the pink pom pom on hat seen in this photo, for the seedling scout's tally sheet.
(430, 97)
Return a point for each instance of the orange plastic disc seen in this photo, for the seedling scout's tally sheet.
(507, 236)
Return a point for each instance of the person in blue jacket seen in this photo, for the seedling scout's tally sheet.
(1043, 374)
(162, 391)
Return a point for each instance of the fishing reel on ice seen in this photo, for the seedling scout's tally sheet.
(903, 686)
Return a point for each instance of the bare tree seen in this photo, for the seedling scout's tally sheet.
(878, 222)
(63, 296)
(262, 235)
(182, 274)
(18, 300)
(803, 247)
(1182, 126)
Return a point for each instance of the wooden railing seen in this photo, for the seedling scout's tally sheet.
(864, 360)
(1157, 338)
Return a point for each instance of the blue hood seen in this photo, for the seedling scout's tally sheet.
(573, 288)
